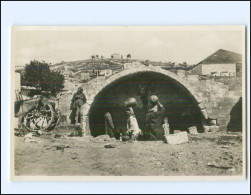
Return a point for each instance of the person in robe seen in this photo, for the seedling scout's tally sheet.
(154, 119)
(78, 100)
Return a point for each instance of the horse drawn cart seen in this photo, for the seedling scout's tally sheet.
(36, 114)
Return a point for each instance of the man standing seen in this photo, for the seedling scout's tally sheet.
(154, 119)
(78, 100)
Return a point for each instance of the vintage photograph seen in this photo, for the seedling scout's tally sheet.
(145, 102)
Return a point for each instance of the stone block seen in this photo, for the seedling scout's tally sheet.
(89, 101)
(85, 108)
(214, 128)
(177, 138)
(223, 120)
(204, 112)
(223, 128)
(201, 106)
(206, 129)
(212, 121)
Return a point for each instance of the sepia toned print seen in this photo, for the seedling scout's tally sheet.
(131, 103)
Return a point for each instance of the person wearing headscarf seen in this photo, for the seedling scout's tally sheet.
(78, 100)
(132, 124)
(154, 119)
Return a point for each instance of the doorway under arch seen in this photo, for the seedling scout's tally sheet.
(181, 107)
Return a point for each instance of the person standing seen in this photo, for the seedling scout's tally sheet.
(109, 126)
(166, 127)
(78, 100)
(132, 125)
(154, 119)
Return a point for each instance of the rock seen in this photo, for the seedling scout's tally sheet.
(176, 138)
(110, 145)
(104, 138)
(193, 130)
(29, 135)
(62, 147)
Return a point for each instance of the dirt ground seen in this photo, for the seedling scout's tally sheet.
(84, 156)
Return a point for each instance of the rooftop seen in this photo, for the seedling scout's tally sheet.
(222, 56)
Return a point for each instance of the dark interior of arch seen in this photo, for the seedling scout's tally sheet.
(180, 106)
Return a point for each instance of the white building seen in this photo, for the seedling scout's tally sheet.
(220, 63)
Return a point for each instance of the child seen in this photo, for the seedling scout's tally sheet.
(132, 125)
(166, 127)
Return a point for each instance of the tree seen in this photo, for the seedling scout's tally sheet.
(38, 74)
(93, 57)
(128, 56)
(97, 56)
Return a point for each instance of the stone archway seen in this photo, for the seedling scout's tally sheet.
(95, 89)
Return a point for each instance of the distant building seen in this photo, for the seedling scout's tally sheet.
(116, 56)
(220, 63)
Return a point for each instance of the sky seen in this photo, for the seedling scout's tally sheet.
(70, 44)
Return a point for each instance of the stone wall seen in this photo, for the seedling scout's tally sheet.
(215, 96)
(219, 95)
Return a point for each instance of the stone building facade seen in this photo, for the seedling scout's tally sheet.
(212, 99)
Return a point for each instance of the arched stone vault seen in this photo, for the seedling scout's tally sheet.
(94, 87)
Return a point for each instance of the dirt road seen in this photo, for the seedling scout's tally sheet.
(88, 156)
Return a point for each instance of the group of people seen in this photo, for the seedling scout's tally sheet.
(156, 124)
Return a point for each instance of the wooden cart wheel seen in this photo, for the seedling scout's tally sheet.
(39, 119)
